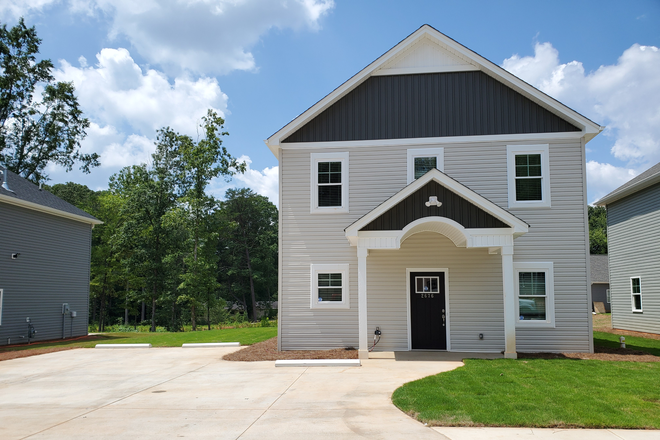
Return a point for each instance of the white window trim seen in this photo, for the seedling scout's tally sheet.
(632, 296)
(548, 268)
(316, 269)
(1, 302)
(314, 179)
(544, 151)
(439, 153)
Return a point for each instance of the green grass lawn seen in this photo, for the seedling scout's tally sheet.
(246, 336)
(651, 346)
(538, 393)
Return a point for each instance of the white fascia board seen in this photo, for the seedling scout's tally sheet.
(589, 128)
(435, 141)
(613, 197)
(519, 226)
(48, 210)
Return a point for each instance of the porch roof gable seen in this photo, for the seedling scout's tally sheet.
(460, 205)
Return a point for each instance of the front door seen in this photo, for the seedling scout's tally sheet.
(428, 329)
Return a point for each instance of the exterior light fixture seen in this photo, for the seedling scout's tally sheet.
(433, 201)
(15, 256)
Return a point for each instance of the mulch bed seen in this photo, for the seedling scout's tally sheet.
(601, 353)
(267, 351)
(7, 355)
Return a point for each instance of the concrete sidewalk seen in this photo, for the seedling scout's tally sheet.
(173, 392)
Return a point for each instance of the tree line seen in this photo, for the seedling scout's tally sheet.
(167, 244)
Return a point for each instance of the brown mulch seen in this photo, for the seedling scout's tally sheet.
(7, 355)
(267, 351)
(601, 353)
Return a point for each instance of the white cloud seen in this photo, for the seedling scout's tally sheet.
(263, 182)
(624, 96)
(603, 178)
(14, 9)
(117, 92)
(204, 36)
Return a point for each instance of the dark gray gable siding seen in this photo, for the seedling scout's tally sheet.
(453, 207)
(52, 268)
(429, 105)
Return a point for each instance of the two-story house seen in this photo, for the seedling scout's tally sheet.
(437, 198)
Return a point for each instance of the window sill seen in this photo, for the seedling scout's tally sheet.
(534, 324)
(530, 205)
(326, 306)
(339, 210)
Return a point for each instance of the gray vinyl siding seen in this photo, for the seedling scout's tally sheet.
(599, 294)
(475, 292)
(429, 105)
(53, 268)
(633, 241)
(556, 234)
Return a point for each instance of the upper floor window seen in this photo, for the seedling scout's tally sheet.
(421, 160)
(528, 176)
(636, 292)
(329, 192)
(535, 293)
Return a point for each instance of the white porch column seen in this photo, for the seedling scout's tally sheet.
(363, 347)
(509, 303)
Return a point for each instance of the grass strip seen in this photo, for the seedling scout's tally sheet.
(611, 340)
(246, 336)
(538, 393)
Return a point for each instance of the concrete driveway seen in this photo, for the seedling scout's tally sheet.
(175, 393)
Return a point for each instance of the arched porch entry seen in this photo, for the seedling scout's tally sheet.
(436, 203)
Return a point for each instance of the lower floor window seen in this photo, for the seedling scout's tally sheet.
(534, 286)
(329, 286)
(636, 291)
(532, 296)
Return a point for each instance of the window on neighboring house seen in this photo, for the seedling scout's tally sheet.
(636, 292)
(329, 287)
(329, 182)
(422, 160)
(609, 297)
(528, 176)
(535, 294)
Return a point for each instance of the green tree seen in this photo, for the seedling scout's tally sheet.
(147, 238)
(252, 248)
(36, 131)
(201, 161)
(597, 230)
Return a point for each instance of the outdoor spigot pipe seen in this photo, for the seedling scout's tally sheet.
(622, 340)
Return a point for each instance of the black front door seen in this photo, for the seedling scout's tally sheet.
(427, 311)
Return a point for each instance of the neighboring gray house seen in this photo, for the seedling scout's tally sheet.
(633, 243)
(45, 246)
(600, 280)
(438, 198)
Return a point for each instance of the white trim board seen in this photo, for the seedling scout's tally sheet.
(589, 129)
(434, 141)
(446, 272)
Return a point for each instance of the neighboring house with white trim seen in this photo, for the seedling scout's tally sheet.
(440, 199)
(633, 244)
(45, 252)
(600, 280)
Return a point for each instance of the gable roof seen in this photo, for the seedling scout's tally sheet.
(28, 195)
(451, 56)
(519, 226)
(599, 268)
(644, 180)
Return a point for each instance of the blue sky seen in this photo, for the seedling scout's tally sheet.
(138, 66)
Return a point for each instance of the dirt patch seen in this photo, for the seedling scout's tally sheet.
(601, 354)
(267, 351)
(603, 323)
(7, 355)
